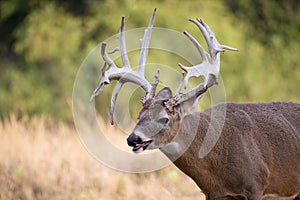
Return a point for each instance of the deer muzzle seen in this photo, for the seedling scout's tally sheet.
(137, 143)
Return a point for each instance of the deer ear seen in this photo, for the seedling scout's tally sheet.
(189, 106)
(164, 94)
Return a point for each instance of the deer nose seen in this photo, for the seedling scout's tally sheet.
(133, 139)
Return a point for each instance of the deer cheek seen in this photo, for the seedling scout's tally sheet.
(163, 138)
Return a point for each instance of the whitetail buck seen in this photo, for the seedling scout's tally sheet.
(258, 150)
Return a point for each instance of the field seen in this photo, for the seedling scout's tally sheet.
(43, 159)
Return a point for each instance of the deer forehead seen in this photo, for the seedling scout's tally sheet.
(153, 112)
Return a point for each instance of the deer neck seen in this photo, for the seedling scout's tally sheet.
(189, 133)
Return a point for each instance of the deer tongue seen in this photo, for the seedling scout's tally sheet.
(141, 146)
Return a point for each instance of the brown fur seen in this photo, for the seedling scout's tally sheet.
(257, 153)
(257, 149)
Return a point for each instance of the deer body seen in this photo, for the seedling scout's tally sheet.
(257, 149)
(258, 152)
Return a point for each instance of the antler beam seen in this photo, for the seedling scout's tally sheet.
(209, 68)
(125, 74)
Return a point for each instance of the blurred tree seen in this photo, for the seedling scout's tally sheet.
(269, 21)
(43, 43)
(40, 45)
(275, 25)
(12, 15)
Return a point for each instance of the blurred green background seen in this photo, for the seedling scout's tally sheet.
(43, 43)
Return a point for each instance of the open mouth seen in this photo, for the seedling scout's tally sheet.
(137, 148)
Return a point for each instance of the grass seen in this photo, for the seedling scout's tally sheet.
(43, 159)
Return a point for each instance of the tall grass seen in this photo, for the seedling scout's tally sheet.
(43, 159)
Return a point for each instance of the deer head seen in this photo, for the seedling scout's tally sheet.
(159, 119)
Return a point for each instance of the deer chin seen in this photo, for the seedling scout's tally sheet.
(137, 148)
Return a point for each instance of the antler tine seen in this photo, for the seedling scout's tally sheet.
(123, 44)
(204, 28)
(212, 34)
(154, 85)
(105, 79)
(113, 101)
(229, 48)
(197, 45)
(105, 57)
(180, 85)
(145, 44)
(213, 45)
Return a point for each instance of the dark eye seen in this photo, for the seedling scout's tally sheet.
(163, 120)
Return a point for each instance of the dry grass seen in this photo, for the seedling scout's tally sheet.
(44, 159)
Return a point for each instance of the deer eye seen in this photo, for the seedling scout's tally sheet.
(163, 120)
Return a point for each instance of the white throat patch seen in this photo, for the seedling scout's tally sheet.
(172, 148)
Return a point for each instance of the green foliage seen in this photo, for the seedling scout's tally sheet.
(43, 45)
(268, 21)
(271, 68)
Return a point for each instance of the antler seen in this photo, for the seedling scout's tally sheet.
(126, 74)
(209, 68)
